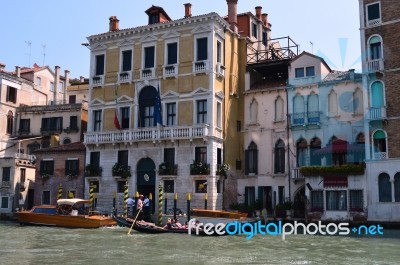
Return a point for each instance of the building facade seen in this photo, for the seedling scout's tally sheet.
(379, 21)
(163, 107)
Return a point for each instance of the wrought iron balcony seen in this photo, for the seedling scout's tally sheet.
(147, 134)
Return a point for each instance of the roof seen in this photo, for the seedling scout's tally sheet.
(304, 53)
(71, 201)
(154, 8)
(335, 76)
(78, 146)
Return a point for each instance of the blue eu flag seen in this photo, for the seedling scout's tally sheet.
(157, 109)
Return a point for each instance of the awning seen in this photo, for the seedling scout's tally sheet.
(71, 201)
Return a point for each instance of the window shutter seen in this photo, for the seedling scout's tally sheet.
(246, 162)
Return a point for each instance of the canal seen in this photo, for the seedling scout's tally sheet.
(48, 245)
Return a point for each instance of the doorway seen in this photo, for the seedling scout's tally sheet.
(146, 178)
(299, 203)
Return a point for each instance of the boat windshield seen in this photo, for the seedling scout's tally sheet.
(45, 210)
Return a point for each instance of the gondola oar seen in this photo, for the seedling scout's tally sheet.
(134, 221)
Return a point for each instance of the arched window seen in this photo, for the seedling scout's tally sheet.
(253, 111)
(375, 48)
(332, 104)
(315, 145)
(313, 109)
(360, 153)
(397, 187)
(10, 122)
(147, 100)
(298, 110)
(379, 140)
(358, 101)
(251, 159)
(279, 157)
(301, 151)
(377, 95)
(385, 188)
(279, 106)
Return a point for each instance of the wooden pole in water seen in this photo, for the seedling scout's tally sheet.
(114, 201)
(60, 190)
(160, 202)
(91, 195)
(188, 207)
(126, 196)
(150, 205)
(175, 203)
(205, 201)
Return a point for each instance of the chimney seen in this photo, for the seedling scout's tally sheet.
(114, 23)
(2, 67)
(66, 84)
(82, 79)
(258, 12)
(265, 19)
(188, 10)
(56, 81)
(232, 14)
(351, 72)
(18, 71)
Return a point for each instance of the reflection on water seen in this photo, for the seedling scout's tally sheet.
(48, 245)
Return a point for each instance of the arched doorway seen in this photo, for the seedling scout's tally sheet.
(299, 203)
(146, 177)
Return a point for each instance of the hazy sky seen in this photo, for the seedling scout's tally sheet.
(57, 28)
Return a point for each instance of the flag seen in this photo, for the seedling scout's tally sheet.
(116, 116)
(157, 116)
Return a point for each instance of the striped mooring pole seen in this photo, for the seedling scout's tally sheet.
(91, 195)
(126, 196)
(60, 190)
(160, 202)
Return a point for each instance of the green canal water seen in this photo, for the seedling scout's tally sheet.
(48, 245)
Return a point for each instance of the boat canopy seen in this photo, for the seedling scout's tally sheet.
(71, 201)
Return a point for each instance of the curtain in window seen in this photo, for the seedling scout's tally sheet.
(385, 188)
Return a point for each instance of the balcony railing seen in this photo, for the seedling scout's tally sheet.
(167, 169)
(170, 70)
(374, 22)
(124, 77)
(147, 73)
(25, 156)
(313, 117)
(93, 171)
(380, 155)
(377, 113)
(296, 174)
(199, 169)
(200, 67)
(5, 183)
(298, 118)
(375, 65)
(98, 80)
(147, 134)
(220, 70)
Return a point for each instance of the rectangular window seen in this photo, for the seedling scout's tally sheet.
(254, 30)
(97, 120)
(201, 186)
(4, 202)
(95, 185)
(121, 186)
(11, 94)
(219, 115)
(310, 71)
(73, 122)
(61, 86)
(126, 61)
(125, 117)
(149, 116)
(99, 65)
(172, 53)
(6, 174)
(219, 156)
(46, 167)
(356, 200)
(169, 186)
(38, 81)
(54, 124)
(219, 186)
(123, 157)
(72, 99)
(171, 114)
(72, 167)
(202, 53)
(22, 176)
(219, 52)
(249, 195)
(169, 156)
(264, 38)
(299, 72)
(46, 197)
(24, 125)
(201, 111)
(95, 160)
(281, 194)
(251, 161)
(373, 11)
(200, 154)
(317, 201)
(149, 57)
(51, 87)
(336, 200)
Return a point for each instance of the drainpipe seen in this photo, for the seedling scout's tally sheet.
(288, 138)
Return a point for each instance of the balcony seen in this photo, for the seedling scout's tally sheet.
(147, 134)
(375, 65)
(296, 174)
(323, 171)
(5, 183)
(147, 73)
(313, 117)
(98, 80)
(170, 71)
(71, 129)
(199, 168)
(220, 70)
(167, 169)
(377, 113)
(25, 156)
(121, 170)
(298, 119)
(93, 171)
(374, 22)
(200, 67)
(124, 77)
(380, 155)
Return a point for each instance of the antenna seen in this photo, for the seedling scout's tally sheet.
(29, 43)
(312, 47)
(44, 52)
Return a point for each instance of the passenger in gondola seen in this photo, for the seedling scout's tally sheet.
(168, 225)
(177, 224)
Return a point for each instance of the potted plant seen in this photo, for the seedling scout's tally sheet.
(223, 169)
(120, 170)
(288, 207)
(199, 168)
